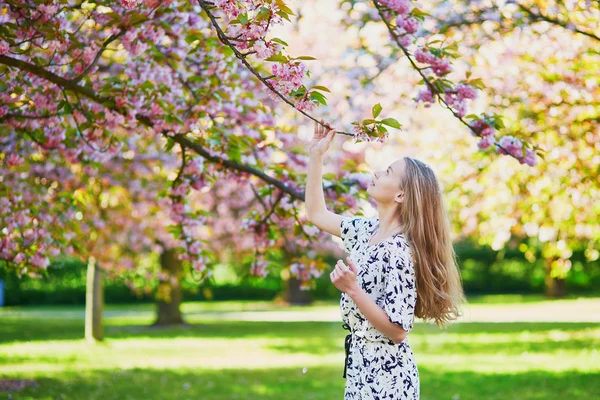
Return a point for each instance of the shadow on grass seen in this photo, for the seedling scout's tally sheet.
(21, 330)
(323, 383)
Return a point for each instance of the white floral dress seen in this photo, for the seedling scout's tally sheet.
(377, 368)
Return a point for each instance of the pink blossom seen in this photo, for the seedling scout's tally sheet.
(486, 142)
(39, 261)
(406, 40)
(130, 3)
(266, 49)
(229, 7)
(441, 66)
(400, 6)
(304, 104)
(409, 24)
(4, 47)
(510, 145)
(529, 159)
(292, 73)
(14, 160)
(48, 9)
(479, 127)
(466, 91)
(195, 247)
(426, 96)
(424, 56)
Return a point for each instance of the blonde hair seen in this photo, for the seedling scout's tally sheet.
(427, 228)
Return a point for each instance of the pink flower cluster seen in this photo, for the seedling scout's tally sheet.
(408, 24)
(4, 47)
(400, 6)
(305, 273)
(425, 95)
(290, 75)
(457, 98)
(485, 131)
(245, 34)
(266, 49)
(440, 66)
(304, 103)
(130, 3)
(514, 147)
(259, 268)
(361, 133)
(230, 7)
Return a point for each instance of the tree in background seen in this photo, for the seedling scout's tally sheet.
(538, 61)
(84, 83)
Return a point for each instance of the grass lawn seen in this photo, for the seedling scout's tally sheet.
(258, 350)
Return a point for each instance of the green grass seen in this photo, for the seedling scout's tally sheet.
(257, 350)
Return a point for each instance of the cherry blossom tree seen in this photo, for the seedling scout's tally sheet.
(86, 86)
(540, 65)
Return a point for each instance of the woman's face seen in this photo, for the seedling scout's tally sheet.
(385, 185)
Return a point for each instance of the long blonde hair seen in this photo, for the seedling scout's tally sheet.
(427, 228)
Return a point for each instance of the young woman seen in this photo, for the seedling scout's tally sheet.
(401, 264)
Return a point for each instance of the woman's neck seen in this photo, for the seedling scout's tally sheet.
(388, 222)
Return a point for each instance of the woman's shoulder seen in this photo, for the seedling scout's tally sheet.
(399, 248)
(358, 221)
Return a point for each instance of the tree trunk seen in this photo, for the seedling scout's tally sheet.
(555, 287)
(169, 295)
(94, 302)
(293, 294)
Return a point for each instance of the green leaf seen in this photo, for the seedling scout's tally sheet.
(376, 110)
(170, 144)
(283, 15)
(304, 58)
(392, 122)
(318, 97)
(419, 13)
(147, 85)
(277, 40)
(323, 88)
(136, 18)
(283, 7)
(369, 121)
(279, 57)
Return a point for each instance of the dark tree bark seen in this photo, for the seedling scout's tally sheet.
(555, 287)
(294, 296)
(169, 300)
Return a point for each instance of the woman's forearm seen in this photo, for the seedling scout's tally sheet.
(376, 315)
(315, 199)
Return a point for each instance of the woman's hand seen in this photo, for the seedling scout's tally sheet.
(344, 277)
(321, 139)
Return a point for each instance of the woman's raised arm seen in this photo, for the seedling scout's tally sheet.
(316, 209)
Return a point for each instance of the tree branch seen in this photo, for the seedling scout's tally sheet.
(145, 120)
(226, 40)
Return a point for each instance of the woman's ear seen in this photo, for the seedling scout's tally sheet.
(399, 197)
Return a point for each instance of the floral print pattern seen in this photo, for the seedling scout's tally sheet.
(378, 368)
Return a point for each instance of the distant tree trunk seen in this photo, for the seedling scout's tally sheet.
(555, 287)
(293, 294)
(94, 302)
(169, 292)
